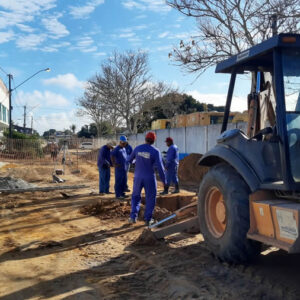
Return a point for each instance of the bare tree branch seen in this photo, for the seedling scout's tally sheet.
(227, 27)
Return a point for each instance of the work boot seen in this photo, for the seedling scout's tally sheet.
(131, 221)
(165, 191)
(176, 191)
(149, 222)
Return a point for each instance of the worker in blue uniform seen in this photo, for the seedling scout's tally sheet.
(128, 149)
(146, 157)
(118, 157)
(171, 165)
(104, 163)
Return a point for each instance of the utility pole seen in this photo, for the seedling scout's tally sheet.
(10, 107)
(24, 124)
(31, 124)
(10, 91)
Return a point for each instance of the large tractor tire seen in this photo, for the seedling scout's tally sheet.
(223, 210)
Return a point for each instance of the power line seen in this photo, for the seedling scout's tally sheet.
(1, 69)
(17, 94)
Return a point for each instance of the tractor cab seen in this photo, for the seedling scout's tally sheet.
(251, 194)
(267, 155)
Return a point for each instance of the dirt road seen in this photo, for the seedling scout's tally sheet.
(49, 249)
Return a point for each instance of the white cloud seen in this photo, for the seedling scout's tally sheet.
(55, 47)
(159, 6)
(6, 36)
(10, 19)
(85, 44)
(16, 12)
(141, 17)
(100, 54)
(68, 81)
(180, 35)
(238, 103)
(83, 12)
(127, 35)
(135, 41)
(164, 34)
(166, 48)
(26, 6)
(25, 28)
(88, 50)
(54, 27)
(30, 41)
(46, 99)
(59, 121)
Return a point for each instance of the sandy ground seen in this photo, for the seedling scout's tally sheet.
(50, 250)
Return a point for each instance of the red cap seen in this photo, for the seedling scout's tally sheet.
(169, 139)
(151, 136)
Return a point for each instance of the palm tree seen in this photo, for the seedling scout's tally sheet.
(73, 128)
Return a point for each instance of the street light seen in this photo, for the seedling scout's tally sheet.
(10, 91)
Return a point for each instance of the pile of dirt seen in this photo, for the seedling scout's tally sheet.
(107, 209)
(14, 183)
(31, 174)
(146, 238)
(189, 170)
(158, 213)
(89, 171)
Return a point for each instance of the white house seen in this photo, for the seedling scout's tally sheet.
(4, 107)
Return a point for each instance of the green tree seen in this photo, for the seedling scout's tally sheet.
(73, 128)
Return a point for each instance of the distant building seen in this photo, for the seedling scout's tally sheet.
(23, 130)
(4, 107)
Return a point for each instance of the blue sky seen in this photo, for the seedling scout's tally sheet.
(74, 37)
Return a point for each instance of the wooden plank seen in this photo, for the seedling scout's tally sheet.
(177, 227)
(43, 189)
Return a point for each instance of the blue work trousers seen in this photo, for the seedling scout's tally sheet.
(127, 171)
(149, 184)
(172, 175)
(120, 181)
(104, 178)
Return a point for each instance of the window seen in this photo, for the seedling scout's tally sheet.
(291, 79)
(4, 113)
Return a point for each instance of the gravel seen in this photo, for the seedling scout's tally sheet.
(14, 183)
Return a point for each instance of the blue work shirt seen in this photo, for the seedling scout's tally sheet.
(128, 149)
(120, 156)
(146, 158)
(104, 157)
(172, 158)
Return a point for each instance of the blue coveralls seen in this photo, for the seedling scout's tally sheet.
(128, 149)
(104, 163)
(147, 157)
(120, 156)
(172, 161)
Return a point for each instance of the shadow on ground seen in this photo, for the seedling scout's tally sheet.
(164, 272)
